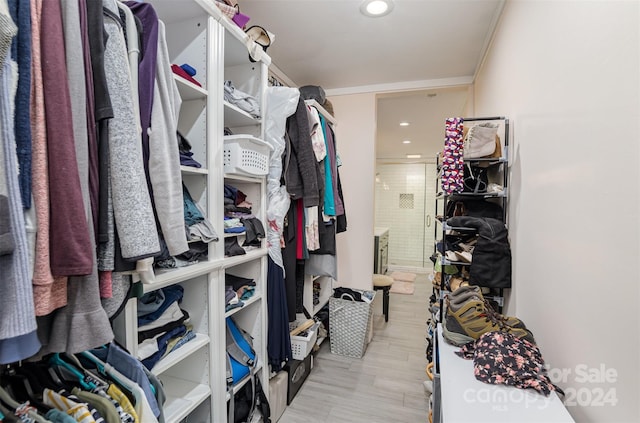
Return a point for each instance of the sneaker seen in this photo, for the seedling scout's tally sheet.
(467, 292)
(467, 322)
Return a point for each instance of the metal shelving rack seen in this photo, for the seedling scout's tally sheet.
(499, 165)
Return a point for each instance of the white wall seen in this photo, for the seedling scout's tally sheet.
(567, 75)
(355, 137)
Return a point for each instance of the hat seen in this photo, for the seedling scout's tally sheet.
(261, 37)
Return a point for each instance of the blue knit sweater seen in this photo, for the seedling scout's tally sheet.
(21, 53)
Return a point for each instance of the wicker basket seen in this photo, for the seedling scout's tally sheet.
(348, 326)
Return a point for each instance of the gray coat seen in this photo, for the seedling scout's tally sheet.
(132, 208)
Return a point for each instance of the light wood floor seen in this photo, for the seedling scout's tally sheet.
(384, 386)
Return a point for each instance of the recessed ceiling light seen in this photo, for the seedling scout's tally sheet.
(413, 156)
(406, 142)
(404, 123)
(376, 8)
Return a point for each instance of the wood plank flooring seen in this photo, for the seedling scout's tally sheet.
(382, 387)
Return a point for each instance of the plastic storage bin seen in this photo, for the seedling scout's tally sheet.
(301, 346)
(246, 155)
(349, 326)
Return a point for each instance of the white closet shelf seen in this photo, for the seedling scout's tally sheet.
(257, 296)
(322, 111)
(188, 90)
(244, 258)
(180, 354)
(182, 398)
(244, 178)
(168, 277)
(240, 384)
(194, 170)
(234, 116)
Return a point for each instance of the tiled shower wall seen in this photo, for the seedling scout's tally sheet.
(405, 195)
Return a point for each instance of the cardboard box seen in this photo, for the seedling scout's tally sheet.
(297, 371)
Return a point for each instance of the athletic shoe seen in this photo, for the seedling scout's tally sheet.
(466, 292)
(467, 322)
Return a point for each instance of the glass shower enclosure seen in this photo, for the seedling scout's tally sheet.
(405, 204)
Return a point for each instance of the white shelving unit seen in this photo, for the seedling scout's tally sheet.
(326, 290)
(194, 375)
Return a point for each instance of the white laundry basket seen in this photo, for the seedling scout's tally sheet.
(246, 155)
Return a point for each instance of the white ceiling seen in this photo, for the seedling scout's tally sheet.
(422, 42)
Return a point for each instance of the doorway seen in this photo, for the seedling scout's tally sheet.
(405, 204)
(409, 136)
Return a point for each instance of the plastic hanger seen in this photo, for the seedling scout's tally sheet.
(90, 376)
(56, 360)
(104, 369)
(100, 365)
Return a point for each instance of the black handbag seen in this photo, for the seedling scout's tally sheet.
(475, 179)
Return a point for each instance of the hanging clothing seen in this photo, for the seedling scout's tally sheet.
(317, 134)
(69, 234)
(146, 69)
(333, 155)
(100, 178)
(341, 221)
(79, 411)
(83, 314)
(164, 156)
(299, 173)
(329, 201)
(18, 339)
(135, 222)
(21, 54)
(278, 338)
(49, 293)
(290, 261)
(452, 174)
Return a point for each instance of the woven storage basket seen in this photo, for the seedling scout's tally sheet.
(348, 326)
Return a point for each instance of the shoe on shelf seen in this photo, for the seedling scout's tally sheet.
(471, 292)
(467, 322)
(464, 256)
(456, 282)
(468, 246)
(451, 256)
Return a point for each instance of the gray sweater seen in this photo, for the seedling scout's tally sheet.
(17, 313)
(299, 161)
(164, 157)
(134, 217)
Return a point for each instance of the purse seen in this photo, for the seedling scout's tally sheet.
(481, 140)
(475, 179)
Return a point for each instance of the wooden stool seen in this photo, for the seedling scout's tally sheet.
(383, 282)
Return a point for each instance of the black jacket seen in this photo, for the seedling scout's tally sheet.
(491, 260)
